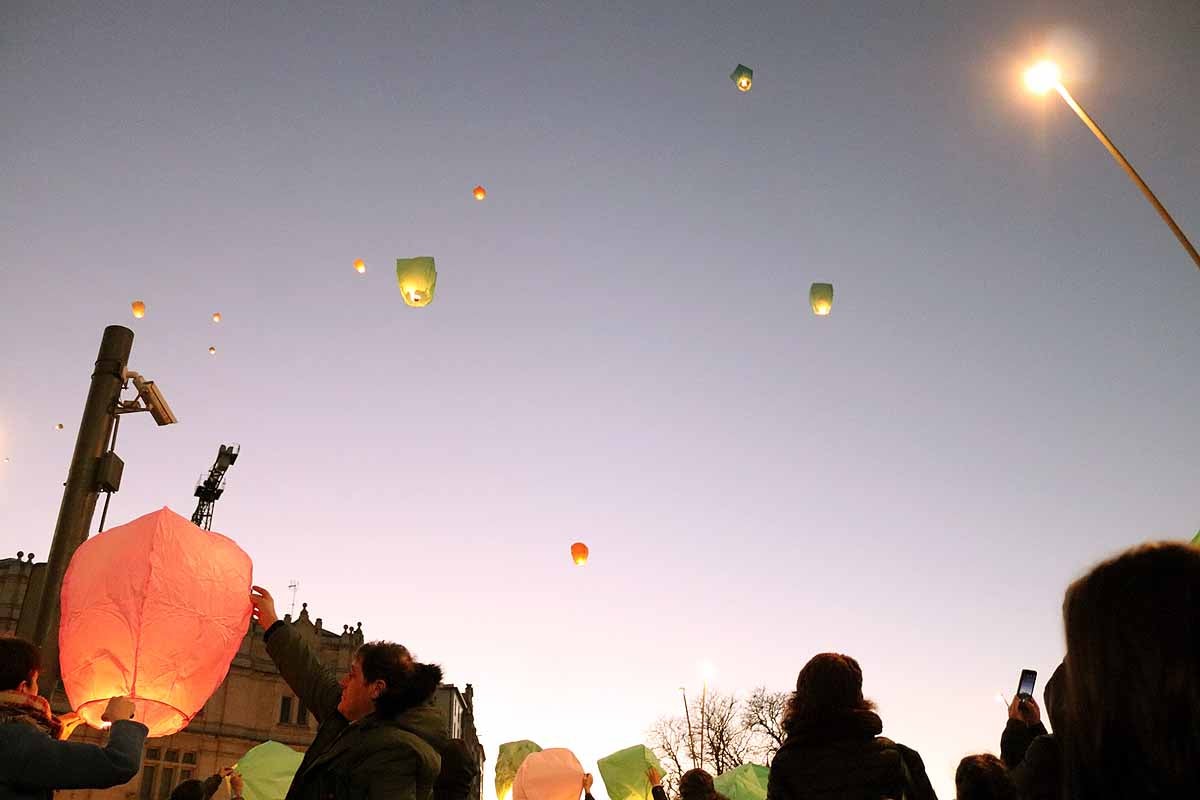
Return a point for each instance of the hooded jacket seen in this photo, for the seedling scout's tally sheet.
(843, 757)
(375, 758)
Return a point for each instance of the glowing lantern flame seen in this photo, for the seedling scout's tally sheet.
(579, 553)
(360, 266)
(1042, 77)
(216, 316)
(743, 76)
(155, 610)
(139, 309)
(480, 193)
(417, 278)
(820, 296)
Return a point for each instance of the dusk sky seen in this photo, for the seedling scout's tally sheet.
(620, 351)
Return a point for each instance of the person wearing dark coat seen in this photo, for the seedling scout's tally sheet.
(460, 771)
(833, 749)
(34, 759)
(1033, 756)
(378, 736)
(983, 777)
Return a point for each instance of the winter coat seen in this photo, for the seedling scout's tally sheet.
(375, 758)
(845, 758)
(1033, 756)
(33, 765)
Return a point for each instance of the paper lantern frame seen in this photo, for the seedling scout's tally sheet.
(820, 297)
(417, 279)
(155, 610)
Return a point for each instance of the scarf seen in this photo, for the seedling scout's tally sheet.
(29, 709)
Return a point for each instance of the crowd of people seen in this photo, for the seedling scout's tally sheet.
(1124, 707)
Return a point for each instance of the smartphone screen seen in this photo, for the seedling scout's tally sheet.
(1028, 679)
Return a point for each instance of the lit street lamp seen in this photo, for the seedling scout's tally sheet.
(1044, 76)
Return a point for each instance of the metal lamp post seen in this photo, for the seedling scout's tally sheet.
(1044, 76)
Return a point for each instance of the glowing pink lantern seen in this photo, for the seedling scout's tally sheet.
(154, 609)
(553, 774)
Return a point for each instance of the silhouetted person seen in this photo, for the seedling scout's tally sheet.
(1133, 677)
(1033, 756)
(833, 749)
(983, 777)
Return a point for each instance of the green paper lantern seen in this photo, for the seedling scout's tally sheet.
(624, 773)
(743, 76)
(747, 782)
(268, 770)
(417, 278)
(1196, 540)
(820, 297)
(508, 762)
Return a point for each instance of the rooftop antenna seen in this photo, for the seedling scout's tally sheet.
(294, 585)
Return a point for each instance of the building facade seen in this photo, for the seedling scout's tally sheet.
(252, 705)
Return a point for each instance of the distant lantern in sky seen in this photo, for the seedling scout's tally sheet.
(216, 316)
(212, 351)
(743, 76)
(58, 427)
(360, 266)
(480, 193)
(417, 278)
(139, 309)
(821, 298)
(155, 610)
(579, 553)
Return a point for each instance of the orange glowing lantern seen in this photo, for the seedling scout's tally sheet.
(216, 316)
(155, 609)
(139, 309)
(480, 193)
(360, 266)
(579, 553)
(553, 774)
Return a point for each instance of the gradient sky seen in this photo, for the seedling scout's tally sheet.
(620, 351)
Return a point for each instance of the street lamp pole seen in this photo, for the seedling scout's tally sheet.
(1044, 76)
(81, 490)
(1130, 171)
(691, 739)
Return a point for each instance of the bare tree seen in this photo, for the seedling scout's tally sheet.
(727, 742)
(725, 732)
(669, 739)
(762, 713)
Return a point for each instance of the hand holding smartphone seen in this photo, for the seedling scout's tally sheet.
(1027, 682)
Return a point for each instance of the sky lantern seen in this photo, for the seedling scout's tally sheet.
(480, 193)
(624, 773)
(58, 427)
(747, 782)
(743, 76)
(155, 610)
(139, 309)
(267, 770)
(360, 266)
(509, 760)
(216, 316)
(553, 774)
(579, 553)
(820, 296)
(212, 351)
(417, 278)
